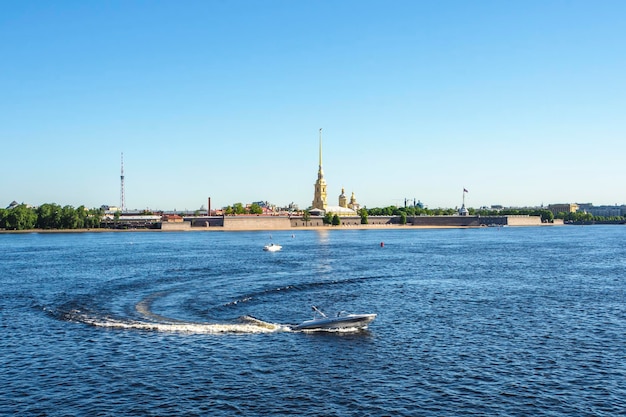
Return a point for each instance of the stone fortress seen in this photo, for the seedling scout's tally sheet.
(347, 210)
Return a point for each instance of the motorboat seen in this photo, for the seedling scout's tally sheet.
(342, 320)
(272, 247)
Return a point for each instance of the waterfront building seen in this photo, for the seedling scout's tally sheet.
(603, 211)
(563, 208)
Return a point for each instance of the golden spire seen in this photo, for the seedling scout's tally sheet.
(319, 199)
(320, 173)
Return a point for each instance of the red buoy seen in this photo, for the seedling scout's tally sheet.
(382, 244)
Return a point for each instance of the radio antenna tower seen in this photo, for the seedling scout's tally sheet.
(122, 197)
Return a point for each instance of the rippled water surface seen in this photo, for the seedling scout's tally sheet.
(493, 321)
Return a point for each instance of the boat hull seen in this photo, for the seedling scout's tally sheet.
(351, 321)
(272, 248)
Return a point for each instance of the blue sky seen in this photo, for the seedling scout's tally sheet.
(522, 103)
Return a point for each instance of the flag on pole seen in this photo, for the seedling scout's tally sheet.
(465, 191)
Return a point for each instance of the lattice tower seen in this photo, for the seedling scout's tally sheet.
(122, 196)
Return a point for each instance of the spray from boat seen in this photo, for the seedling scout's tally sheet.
(244, 325)
(150, 321)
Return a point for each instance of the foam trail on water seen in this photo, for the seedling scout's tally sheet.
(249, 325)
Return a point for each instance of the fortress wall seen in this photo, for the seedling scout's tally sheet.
(350, 220)
(445, 221)
(345, 221)
(524, 220)
(384, 220)
(256, 222)
(299, 222)
(511, 220)
(474, 221)
(213, 221)
(494, 220)
(288, 222)
(175, 226)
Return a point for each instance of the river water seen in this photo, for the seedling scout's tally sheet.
(490, 321)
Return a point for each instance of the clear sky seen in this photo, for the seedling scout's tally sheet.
(522, 103)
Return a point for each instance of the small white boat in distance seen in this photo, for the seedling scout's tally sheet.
(343, 320)
(272, 247)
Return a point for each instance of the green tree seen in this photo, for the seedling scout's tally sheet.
(82, 214)
(363, 214)
(69, 218)
(48, 216)
(336, 220)
(93, 219)
(328, 218)
(389, 211)
(409, 211)
(306, 217)
(21, 218)
(402, 218)
(238, 208)
(3, 218)
(255, 209)
(546, 216)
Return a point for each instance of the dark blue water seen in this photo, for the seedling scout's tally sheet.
(494, 321)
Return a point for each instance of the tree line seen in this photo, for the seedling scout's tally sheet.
(49, 216)
(239, 208)
(546, 215)
(588, 218)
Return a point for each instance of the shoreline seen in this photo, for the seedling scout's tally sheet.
(221, 229)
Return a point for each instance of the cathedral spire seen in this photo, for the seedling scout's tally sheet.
(321, 172)
(319, 199)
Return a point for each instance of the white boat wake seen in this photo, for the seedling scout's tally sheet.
(247, 325)
(342, 323)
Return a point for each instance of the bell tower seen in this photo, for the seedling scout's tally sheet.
(353, 204)
(343, 201)
(319, 198)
